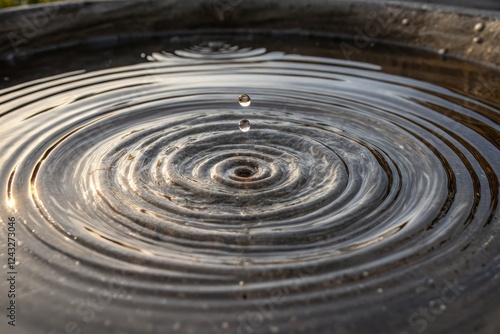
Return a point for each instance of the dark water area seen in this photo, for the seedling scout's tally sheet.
(365, 190)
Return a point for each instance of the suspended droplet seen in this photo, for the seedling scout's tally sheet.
(244, 125)
(244, 100)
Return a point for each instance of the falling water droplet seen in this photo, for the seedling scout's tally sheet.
(244, 100)
(244, 125)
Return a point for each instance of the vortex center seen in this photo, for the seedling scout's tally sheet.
(245, 171)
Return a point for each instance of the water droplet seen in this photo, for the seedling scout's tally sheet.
(477, 40)
(405, 21)
(479, 27)
(242, 283)
(244, 125)
(442, 52)
(244, 100)
(143, 55)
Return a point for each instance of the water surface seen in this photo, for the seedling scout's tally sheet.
(362, 189)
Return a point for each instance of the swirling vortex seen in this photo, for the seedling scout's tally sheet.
(360, 181)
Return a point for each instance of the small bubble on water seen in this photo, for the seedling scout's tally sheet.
(244, 125)
(429, 282)
(244, 100)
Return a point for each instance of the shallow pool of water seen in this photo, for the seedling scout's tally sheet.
(367, 183)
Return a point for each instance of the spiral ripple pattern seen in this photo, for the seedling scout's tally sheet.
(353, 189)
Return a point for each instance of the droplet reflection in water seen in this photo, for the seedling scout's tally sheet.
(244, 125)
(244, 100)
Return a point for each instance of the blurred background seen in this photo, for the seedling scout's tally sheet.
(8, 3)
(478, 4)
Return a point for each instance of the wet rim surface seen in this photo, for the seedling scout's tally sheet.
(46, 26)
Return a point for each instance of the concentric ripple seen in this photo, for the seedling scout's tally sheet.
(350, 181)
